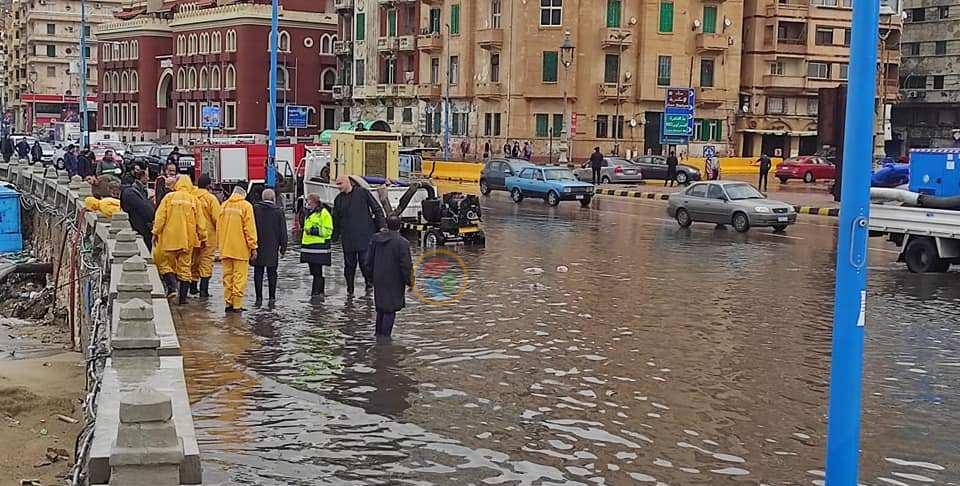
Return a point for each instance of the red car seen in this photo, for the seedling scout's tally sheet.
(806, 167)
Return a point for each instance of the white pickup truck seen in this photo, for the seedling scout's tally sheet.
(929, 238)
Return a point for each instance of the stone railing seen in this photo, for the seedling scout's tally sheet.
(140, 428)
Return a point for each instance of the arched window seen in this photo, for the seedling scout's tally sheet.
(181, 45)
(192, 45)
(284, 44)
(215, 45)
(105, 53)
(325, 44)
(105, 84)
(215, 77)
(116, 83)
(134, 81)
(328, 79)
(181, 80)
(116, 51)
(282, 78)
(192, 79)
(124, 82)
(204, 43)
(204, 82)
(135, 50)
(230, 78)
(231, 41)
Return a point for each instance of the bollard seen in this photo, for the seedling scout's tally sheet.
(147, 450)
(118, 222)
(126, 246)
(136, 333)
(84, 190)
(134, 281)
(50, 185)
(63, 177)
(38, 181)
(74, 184)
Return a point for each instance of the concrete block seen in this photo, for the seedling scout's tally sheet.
(136, 310)
(163, 325)
(135, 333)
(145, 405)
(118, 222)
(75, 183)
(153, 279)
(84, 190)
(125, 246)
(63, 177)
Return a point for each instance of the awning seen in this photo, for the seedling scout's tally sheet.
(803, 133)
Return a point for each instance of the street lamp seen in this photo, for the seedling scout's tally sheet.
(272, 119)
(617, 124)
(566, 58)
(33, 110)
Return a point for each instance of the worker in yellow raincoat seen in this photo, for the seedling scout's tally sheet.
(237, 238)
(164, 186)
(178, 230)
(203, 256)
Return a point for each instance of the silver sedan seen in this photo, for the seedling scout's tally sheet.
(729, 202)
(614, 170)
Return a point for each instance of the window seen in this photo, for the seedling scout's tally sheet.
(283, 78)
(134, 50)
(124, 82)
(915, 82)
(843, 70)
(699, 190)
(706, 73)
(911, 48)
(204, 43)
(614, 11)
(86, 31)
(774, 105)
(603, 126)
(491, 124)
(714, 191)
(328, 79)
(125, 50)
(215, 77)
(550, 65)
(125, 115)
(181, 80)
(231, 41)
(230, 116)
(940, 48)
(407, 115)
(135, 115)
(192, 78)
(361, 33)
(433, 120)
(663, 70)
(435, 70)
(455, 19)
(283, 44)
(361, 71)
(551, 12)
(611, 68)
(776, 68)
(666, 17)
(709, 19)
(86, 52)
(542, 124)
(181, 45)
(391, 113)
(215, 42)
(818, 70)
(496, 8)
(460, 125)
(192, 115)
(51, 51)
(938, 82)
(846, 37)
(558, 124)
(51, 71)
(494, 67)
(326, 44)
(51, 29)
(916, 14)
(181, 115)
(230, 78)
(824, 36)
(434, 21)
(192, 44)
(454, 74)
(813, 106)
(944, 12)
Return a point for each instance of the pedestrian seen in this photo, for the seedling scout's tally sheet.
(203, 256)
(36, 152)
(23, 149)
(465, 147)
(237, 237)
(357, 216)
(271, 244)
(392, 267)
(765, 165)
(506, 149)
(174, 157)
(596, 163)
(134, 202)
(108, 165)
(85, 163)
(6, 148)
(672, 164)
(178, 231)
(315, 242)
(527, 150)
(516, 149)
(70, 160)
(171, 170)
(486, 150)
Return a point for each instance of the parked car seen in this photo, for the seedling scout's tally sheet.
(613, 170)
(494, 173)
(139, 149)
(729, 202)
(155, 158)
(655, 167)
(806, 167)
(47, 153)
(552, 183)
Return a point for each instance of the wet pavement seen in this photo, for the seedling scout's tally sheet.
(600, 346)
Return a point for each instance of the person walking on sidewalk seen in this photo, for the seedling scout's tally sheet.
(765, 165)
(315, 242)
(178, 232)
(357, 216)
(134, 202)
(392, 267)
(271, 244)
(596, 163)
(203, 256)
(237, 239)
(672, 164)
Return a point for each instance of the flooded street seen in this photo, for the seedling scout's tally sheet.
(660, 355)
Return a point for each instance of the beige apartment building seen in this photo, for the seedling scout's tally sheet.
(42, 76)
(499, 67)
(791, 49)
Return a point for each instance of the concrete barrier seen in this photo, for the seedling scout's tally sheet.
(734, 165)
(453, 171)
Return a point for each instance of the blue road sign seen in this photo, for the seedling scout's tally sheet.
(709, 151)
(210, 117)
(678, 112)
(297, 116)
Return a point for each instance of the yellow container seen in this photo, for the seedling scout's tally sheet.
(370, 154)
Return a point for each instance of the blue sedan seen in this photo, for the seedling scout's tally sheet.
(553, 184)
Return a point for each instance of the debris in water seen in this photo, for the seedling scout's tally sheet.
(533, 271)
(562, 269)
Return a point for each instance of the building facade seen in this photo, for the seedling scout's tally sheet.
(929, 113)
(792, 48)
(42, 75)
(163, 62)
(493, 71)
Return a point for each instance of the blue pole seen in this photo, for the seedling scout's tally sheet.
(846, 362)
(272, 119)
(84, 125)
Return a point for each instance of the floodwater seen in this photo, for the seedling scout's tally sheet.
(657, 355)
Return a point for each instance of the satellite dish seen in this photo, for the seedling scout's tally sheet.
(727, 22)
(628, 75)
(745, 108)
(697, 24)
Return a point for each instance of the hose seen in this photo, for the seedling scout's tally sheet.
(914, 198)
(935, 202)
(407, 196)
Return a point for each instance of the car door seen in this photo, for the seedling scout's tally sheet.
(537, 185)
(695, 201)
(716, 208)
(523, 180)
(496, 179)
(656, 167)
(583, 173)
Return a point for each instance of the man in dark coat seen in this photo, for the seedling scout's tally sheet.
(134, 202)
(70, 160)
(765, 165)
(85, 163)
(23, 149)
(672, 164)
(271, 243)
(392, 267)
(596, 163)
(357, 216)
(6, 148)
(36, 152)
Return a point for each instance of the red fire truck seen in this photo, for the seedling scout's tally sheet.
(229, 165)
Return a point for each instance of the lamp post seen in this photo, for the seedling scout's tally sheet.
(33, 109)
(617, 124)
(84, 121)
(446, 102)
(566, 58)
(272, 119)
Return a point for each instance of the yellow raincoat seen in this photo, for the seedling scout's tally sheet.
(107, 206)
(203, 256)
(237, 238)
(178, 229)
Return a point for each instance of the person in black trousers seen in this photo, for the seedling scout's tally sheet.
(134, 201)
(271, 244)
(672, 164)
(765, 166)
(392, 267)
(357, 216)
(596, 163)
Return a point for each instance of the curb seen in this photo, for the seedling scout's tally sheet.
(663, 196)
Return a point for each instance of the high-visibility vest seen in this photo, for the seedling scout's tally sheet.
(310, 243)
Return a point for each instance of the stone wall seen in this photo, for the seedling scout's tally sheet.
(139, 426)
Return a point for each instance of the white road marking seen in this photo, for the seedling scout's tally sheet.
(783, 236)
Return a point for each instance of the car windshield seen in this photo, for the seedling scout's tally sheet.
(143, 149)
(742, 191)
(559, 175)
(46, 147)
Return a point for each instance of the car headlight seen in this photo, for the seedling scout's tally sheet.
(567, 189)
(762, 209)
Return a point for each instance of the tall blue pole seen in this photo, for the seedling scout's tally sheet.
(846, 362)
(84, 125)
(272, 119)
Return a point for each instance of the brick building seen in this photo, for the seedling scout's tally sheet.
(162, 62)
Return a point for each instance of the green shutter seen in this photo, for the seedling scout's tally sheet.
(613, 12)
(709, 19)
(455, 19)
(391, 23)
(541, 125)
(361, 27)
(666, 16)
(557, 125)
(550, 66)
(719, 130)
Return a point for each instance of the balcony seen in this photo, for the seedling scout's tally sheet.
(788, 10)
(489, 90)
(608, 91)
(429, 42)
(385, 90)
(406, 43)
(490, 38)
(386, 44)
(432, 2)
(712, 42)
(342, 92)
(342, 5)
(781, 82)
(405, 90)
(610, 38)
(791, 46)
(711, 96)
(429, 90)
(343, 48)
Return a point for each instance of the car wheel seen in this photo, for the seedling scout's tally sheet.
(783, 180)
(922, 256)
(605, 180)
(741, 222)
(516, 195)
(808, 177)
(484, 188)
(779, 228)
(683, 218)
(585, 202)
(682, 178)
(553, 199)
(433, 239)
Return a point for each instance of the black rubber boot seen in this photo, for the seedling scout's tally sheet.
(205, 288)
(183, 291)
(170, 285)
(318, 285)
(194, 289)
